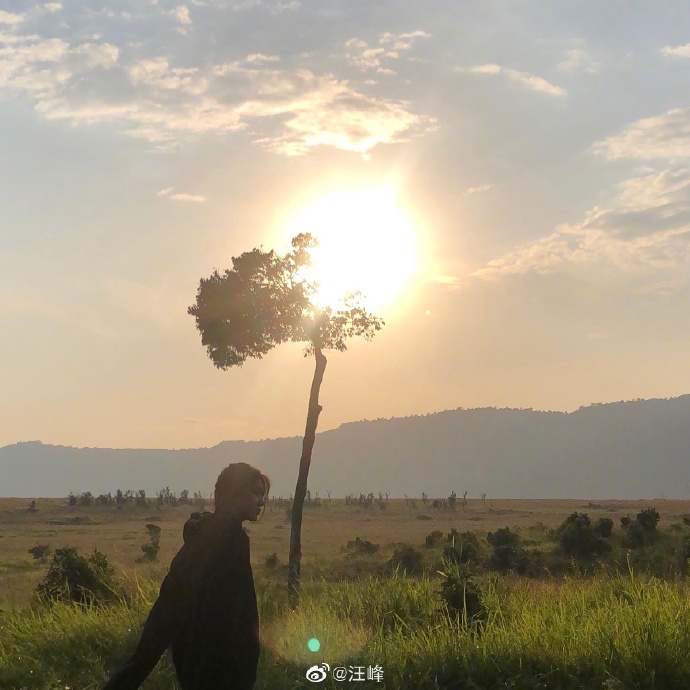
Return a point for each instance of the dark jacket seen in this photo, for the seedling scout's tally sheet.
(206, 611)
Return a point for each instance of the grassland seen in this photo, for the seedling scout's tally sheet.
(610, 631)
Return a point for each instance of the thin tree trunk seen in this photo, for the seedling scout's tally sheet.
(301, 489)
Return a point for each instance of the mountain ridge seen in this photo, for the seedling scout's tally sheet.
(625, 449)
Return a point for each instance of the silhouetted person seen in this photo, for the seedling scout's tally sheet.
(206, 609)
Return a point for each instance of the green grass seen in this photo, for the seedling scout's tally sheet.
(607, 632)
(20, 567)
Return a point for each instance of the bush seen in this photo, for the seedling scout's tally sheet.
(361, 547)
(604, 527)
(578, 538)
(503, 537)
(642, 530)
(72, 577)
(272, 561)
(461, 594)
(464, 547)
(153, 546)
(506, 552)
(648, 519)
(407, 558)
(433, 538)
(40, 552)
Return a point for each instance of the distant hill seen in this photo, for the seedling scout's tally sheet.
(636, 449)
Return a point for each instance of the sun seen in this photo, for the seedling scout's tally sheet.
(366, 244)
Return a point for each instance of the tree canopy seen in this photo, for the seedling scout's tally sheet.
(265, 300)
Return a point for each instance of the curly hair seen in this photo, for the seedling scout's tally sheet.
(237, 477)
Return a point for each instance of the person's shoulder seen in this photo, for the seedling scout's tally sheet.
(197, 525)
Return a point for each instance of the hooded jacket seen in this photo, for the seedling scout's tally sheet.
(206, 611)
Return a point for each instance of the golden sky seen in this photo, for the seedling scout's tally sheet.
(533, 217)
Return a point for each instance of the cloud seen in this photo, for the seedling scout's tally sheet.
(402, 41)
(372, 58)
(290, 111)
(41, 67)
(328, 112)
(180, 196)
(645, 230)
(662, 136)
(577, 60)
(181, 13)
(275, 6)
(260, 58)
(157, 73)
(103, 55)
(451, 282)
(188, 197)
(678, 51)
(10, 18)
(531, 81)
(668, 189)
(478, 190)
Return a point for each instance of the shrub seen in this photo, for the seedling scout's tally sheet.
(152, 547)
(648, 519)
(86, 499)
(578, 538)
(433, 538)
(642, 530)
(464, 547)
(503, 537)
(506, 552)
(635, 535)
(604, 527)
(72, 577)
(455, 554)
(407, 558)
(272, 561)
(40, 552)
(361, 546)
(461, 594)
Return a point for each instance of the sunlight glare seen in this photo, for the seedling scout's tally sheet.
(365, 244)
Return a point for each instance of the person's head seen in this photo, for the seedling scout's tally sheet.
(241, 491)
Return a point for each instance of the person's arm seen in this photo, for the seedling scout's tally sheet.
(164, 620)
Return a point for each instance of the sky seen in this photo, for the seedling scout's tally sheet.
(538, 152)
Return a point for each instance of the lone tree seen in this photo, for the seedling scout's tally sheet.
(265, 300)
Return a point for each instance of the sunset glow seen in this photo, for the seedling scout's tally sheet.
(365, 244)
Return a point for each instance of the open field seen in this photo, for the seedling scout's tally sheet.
(621, 632)
(612, 629)
(120, 533)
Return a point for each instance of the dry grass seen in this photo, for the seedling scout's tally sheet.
(120, 533)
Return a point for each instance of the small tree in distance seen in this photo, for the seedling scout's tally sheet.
(266, 300)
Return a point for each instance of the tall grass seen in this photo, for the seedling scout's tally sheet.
(612, 631)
